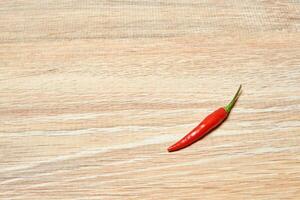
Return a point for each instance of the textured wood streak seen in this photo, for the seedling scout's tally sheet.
(93, 92)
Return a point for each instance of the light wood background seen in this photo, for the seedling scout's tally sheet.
(93, 92)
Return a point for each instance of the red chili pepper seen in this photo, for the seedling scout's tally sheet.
(209, 123)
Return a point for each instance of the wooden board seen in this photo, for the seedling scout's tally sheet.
(93, 92)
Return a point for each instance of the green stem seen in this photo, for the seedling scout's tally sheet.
(232, 102)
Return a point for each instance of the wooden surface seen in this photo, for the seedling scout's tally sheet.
(93, 92)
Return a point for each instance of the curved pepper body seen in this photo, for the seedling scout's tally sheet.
(209, 123)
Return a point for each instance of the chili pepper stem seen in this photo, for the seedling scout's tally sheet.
(232, 102)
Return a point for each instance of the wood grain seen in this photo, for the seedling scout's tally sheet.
(93, 92)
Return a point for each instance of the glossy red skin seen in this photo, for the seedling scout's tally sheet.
(209, 123)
